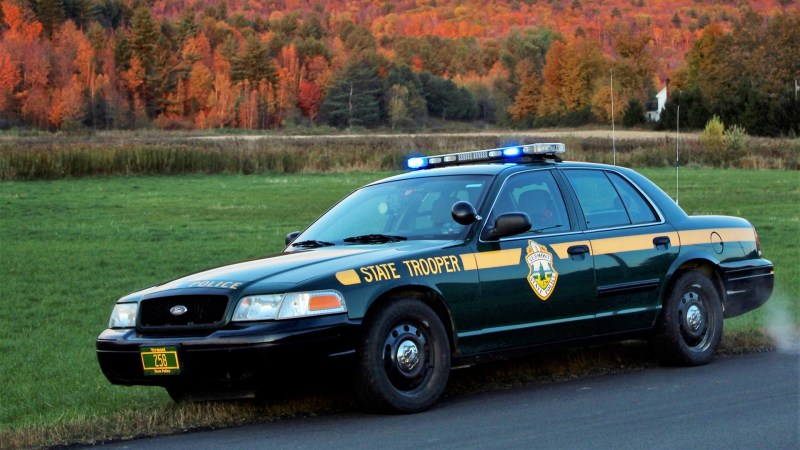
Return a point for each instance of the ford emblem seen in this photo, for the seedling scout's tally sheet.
(178, 310)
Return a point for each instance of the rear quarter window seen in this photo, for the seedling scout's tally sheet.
(638, 208)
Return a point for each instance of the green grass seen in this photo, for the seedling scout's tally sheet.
(69, 248)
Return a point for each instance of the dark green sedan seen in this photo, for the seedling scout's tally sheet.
(467, 257)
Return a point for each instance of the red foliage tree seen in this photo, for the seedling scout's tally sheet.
(309, 99)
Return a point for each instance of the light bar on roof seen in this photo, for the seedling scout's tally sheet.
(544, 149)
(494, 154)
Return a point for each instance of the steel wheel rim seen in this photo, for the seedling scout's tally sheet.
(407, 357)
(694, 319)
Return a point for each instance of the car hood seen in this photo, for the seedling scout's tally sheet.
(284, 270)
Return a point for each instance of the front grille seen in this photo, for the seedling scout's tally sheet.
(201, 311)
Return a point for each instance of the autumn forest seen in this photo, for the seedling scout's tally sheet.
(401, 65)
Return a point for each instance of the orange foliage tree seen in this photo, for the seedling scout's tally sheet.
(9, 79)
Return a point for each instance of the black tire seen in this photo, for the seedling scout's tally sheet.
(403, 358)
(690, 327)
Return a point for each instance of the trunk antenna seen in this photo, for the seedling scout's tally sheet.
(613, 138)
(677, 155)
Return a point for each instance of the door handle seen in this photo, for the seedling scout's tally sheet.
(578, 250)
(661, 240)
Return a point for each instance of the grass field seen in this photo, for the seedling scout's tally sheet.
(69, 248)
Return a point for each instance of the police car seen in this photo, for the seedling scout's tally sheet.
(468, 256)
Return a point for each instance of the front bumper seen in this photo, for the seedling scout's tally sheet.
(240, 355)
(748, 285)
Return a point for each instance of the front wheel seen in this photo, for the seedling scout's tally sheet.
(690, 327)
(403, 359)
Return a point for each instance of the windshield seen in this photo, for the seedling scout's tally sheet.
(394, 211)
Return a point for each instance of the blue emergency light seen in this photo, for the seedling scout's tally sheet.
(416, 163)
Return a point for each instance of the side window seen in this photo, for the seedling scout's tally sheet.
(638, 208)
(601, 204)
(536, 194)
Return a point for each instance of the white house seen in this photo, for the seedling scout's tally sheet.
(661, 100)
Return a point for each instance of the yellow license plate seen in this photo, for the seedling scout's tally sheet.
(160, 360)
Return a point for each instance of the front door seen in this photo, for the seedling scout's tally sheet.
(536, 287)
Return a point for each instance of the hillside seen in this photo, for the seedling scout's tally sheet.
(68, 64)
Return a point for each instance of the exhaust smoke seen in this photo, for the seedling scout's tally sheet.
(782, 323)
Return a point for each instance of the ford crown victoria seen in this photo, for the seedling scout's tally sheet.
(468, 256)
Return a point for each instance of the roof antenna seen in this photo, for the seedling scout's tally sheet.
(613, 140)
(677, 154)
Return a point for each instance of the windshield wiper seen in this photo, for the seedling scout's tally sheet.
(312, 244)
(539, 230)
(374, 239)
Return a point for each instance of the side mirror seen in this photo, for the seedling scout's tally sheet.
(464, 213)
(509, 224)
(291, 237)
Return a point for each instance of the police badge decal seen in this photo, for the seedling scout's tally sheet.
(543, 275)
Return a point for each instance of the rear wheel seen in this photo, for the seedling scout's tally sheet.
(403, 359)
(690, 327)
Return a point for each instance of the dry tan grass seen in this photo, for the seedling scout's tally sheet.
(52, 157)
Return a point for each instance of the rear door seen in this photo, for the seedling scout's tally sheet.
(631, 244)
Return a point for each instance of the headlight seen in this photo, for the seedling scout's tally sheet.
(289, 306)
(123, 315)
(257, 307)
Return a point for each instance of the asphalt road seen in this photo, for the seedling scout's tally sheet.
(745, 401)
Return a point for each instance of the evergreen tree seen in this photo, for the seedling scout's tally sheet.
(254, 63)
(313, 28)
(309, 48)
(188, 27)
(122, 52)
(286, 26)
(97, 37)
(163, 76)
(676, 20)
(144, 36)
(79, 11)
(446, 100)
(111, 13)
(693, 111)
(149, 46)
(50, 13)
(222, 11)
(357, 38)
(634, 114)
(355, 98)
